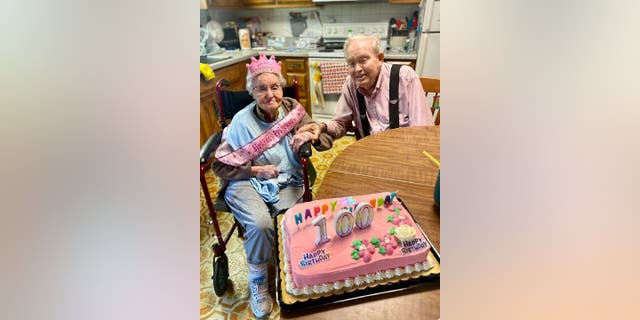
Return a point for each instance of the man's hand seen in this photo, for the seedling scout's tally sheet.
(314, 128)
(265, 172)
(300, 138)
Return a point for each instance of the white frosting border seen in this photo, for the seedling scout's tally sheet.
(349, 282)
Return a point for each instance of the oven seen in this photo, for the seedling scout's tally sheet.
(328, 67)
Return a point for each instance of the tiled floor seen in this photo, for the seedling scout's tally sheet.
(234, 304)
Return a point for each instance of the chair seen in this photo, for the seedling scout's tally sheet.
(432, 85)
(229, 103)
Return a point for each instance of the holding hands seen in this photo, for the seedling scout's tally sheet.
(310, 131)
(300, 138)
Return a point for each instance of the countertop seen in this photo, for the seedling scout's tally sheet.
(241, 55)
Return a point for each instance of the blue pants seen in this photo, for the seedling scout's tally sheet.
(254, 215)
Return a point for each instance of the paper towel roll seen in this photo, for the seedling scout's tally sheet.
(245, 38)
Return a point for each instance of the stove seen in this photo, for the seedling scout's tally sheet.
(335, 34)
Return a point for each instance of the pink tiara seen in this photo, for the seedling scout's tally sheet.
(263, 65)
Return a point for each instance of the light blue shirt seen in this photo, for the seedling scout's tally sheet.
(244, 128)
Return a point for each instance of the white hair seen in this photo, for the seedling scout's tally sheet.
(251, 79)
(375, 42)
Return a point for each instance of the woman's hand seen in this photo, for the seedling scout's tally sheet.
(314, 128)
(300, 138)
(265, 172)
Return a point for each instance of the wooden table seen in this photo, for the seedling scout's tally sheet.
(384, 162)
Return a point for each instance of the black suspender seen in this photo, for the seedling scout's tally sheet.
(394, 120)
(362, 107)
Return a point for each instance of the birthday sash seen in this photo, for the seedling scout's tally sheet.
(264, 141)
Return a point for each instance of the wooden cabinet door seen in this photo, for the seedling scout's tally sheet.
(294, 66)
(208, 120)
(404, 1)
(296, 2)
(302, 88)
(224, 4)
(209, 123)
(250, 3)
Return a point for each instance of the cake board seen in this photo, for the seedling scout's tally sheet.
(289, 302)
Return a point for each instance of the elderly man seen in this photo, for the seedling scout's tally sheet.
(369, 77)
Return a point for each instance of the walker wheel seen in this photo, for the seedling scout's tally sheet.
(220, 274)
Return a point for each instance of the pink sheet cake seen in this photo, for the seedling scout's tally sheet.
(338, 243)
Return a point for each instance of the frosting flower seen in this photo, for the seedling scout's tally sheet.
(405, 233)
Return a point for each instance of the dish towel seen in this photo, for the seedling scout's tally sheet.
(333, 76)
(206, 71)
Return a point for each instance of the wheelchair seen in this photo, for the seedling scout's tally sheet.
(229, 103)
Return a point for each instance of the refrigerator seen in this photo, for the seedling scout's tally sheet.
(428, 59)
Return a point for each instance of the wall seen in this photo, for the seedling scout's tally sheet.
(277, 20)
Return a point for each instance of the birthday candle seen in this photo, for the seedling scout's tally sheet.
(364, 215)
(298, 218)
(333, 205)
(344, 222)
(320, 222)
(387, 200)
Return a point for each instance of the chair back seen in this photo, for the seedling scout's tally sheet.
(232, 101)
(431, 88)
(229, 103)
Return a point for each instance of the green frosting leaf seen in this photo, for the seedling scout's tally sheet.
(393, 231)
(389, 218)
(357, 243)
(382, 250)
(355, 255)
(375, 241)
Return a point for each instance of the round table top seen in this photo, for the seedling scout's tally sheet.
(391, 161)
(388, 161)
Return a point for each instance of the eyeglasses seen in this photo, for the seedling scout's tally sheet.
(264, 89)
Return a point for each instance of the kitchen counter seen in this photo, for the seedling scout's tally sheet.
(242, 55)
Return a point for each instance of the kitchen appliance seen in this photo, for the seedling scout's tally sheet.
(298, 23)
(428, 63)
(230, 41)
(335, 34)
(209, 38)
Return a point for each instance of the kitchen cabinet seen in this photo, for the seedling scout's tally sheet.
(296, 2)
(404, 1)
(209, 123)
(298, 67)
(224, 4)
(269, 4)
(249, 3)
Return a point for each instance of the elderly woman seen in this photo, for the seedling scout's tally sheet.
(258, 164)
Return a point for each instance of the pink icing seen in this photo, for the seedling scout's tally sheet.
(336, 262)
